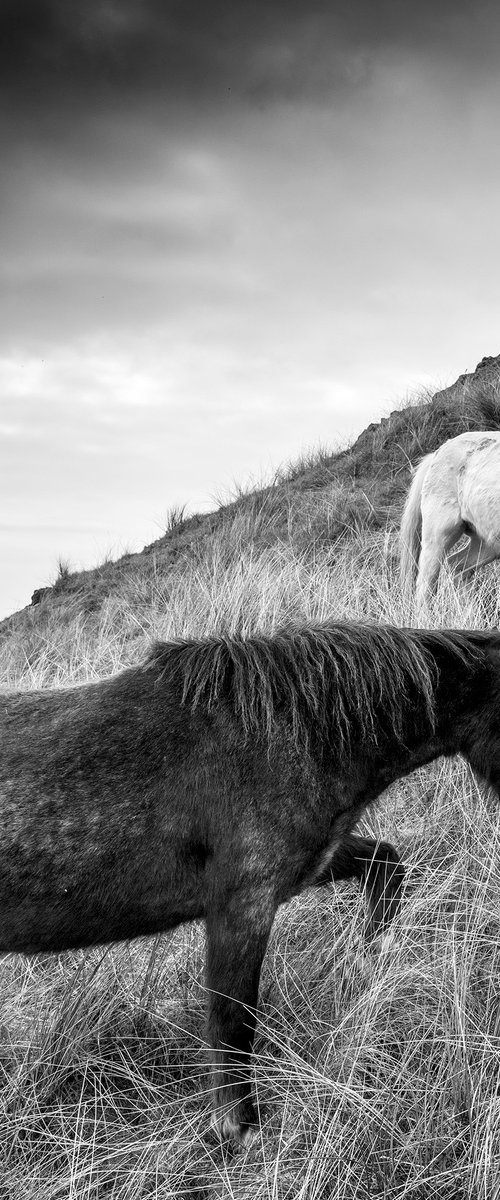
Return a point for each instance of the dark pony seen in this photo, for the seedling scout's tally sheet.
(219, 779)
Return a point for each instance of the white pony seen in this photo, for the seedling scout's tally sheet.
(455, 490)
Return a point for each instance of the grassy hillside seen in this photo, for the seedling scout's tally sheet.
(311, 511)
(378, 1074)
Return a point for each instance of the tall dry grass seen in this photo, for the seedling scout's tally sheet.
(377, 1074)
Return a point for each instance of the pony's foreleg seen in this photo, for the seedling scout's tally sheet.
(238, 930)
(378, 867)
(475, 554)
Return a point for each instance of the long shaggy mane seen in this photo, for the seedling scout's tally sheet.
(328, 681)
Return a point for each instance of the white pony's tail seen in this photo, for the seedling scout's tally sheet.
(410, 533)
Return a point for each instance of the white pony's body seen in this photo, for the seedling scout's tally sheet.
(455, 490)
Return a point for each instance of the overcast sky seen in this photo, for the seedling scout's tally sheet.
(230, 231)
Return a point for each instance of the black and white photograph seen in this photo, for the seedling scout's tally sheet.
(249, 600)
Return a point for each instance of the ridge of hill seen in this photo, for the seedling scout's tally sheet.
(324, 497)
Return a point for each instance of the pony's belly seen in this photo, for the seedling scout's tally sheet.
(52, 901)
(30, 928)
(480, 504)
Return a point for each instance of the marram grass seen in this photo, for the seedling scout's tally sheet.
(378, 1073)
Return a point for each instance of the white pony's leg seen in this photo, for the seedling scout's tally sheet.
(442, 525)
(475, 554)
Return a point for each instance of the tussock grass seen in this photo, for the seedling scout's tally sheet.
(377, 1073)
(175, 518)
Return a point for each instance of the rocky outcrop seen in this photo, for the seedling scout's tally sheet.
(487, 373)
(39, 594)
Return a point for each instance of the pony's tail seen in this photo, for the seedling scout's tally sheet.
(410, 533)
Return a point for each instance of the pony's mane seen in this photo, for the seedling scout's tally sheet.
(327, 680)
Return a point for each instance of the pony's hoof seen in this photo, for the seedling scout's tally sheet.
(384, 943)
(379, 950)
(240, 1134)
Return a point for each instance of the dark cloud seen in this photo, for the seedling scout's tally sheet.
(208, 51)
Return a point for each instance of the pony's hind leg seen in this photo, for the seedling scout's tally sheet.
(378, 867)
(238, 928)
(383, 884)
(442, 525)
(475, 554)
